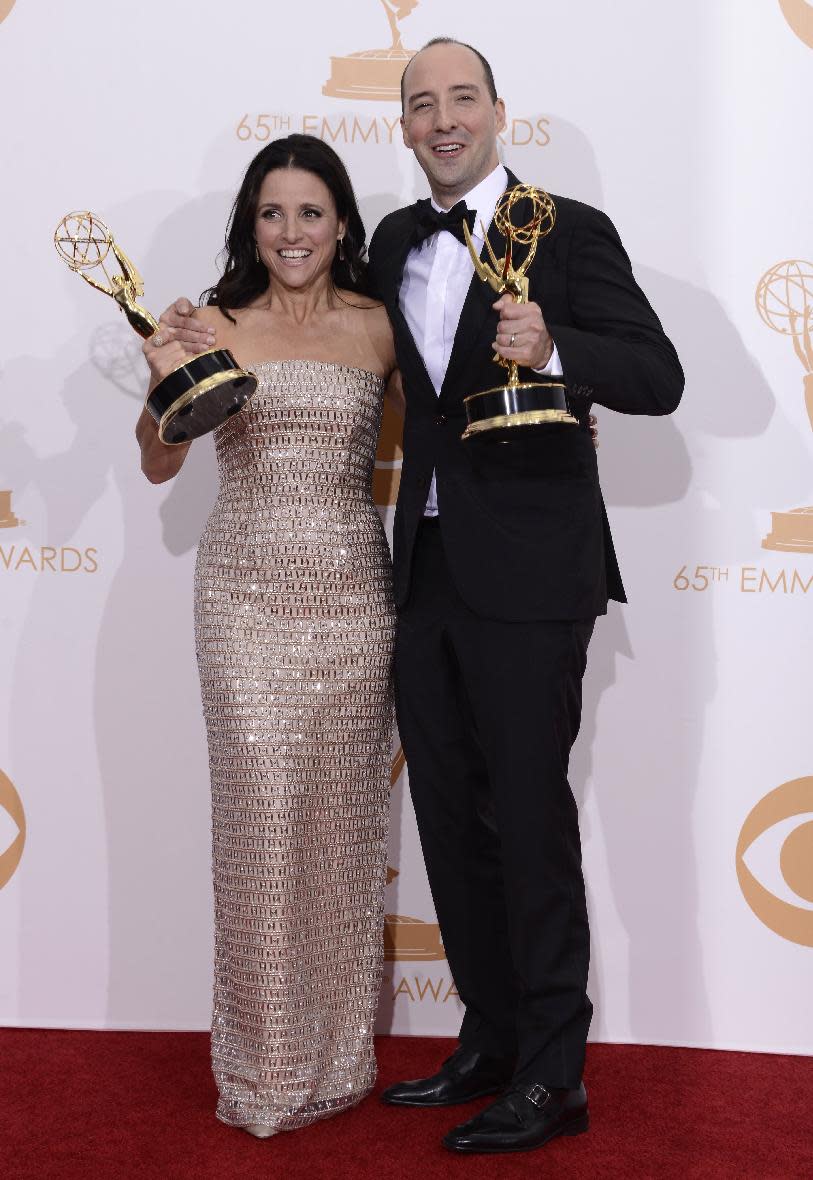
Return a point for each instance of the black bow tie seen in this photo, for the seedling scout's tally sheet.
(429, 221)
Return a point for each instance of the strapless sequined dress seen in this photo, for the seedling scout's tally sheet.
(294, 627)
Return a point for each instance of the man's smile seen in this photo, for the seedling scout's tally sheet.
(448, 148)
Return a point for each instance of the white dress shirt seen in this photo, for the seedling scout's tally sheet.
(436, 279)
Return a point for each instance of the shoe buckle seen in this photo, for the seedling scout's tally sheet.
(538, 1094)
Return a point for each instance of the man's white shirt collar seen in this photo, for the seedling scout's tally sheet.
(483, 199)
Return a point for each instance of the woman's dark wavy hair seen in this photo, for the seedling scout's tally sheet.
(244, 278)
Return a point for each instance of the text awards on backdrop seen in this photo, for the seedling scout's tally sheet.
(199, 394)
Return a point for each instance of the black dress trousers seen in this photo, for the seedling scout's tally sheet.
(488, 712)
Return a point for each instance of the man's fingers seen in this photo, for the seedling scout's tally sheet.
(194, 341)
(181, 314)
(511, 354)
(172, 319)
(509, 310)
(179, 323)
(509, 336)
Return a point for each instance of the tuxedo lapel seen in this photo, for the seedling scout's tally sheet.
(415, 368)
(390, 265)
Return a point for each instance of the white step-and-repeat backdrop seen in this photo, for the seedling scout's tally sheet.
(689, 124)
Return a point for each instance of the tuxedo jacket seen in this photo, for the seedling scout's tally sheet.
(523, 523)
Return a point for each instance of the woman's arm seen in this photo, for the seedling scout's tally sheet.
(160, 462)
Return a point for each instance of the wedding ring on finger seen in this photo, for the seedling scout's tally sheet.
(511, 341)
(157, 340)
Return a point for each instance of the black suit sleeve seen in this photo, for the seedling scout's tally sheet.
(614, 351)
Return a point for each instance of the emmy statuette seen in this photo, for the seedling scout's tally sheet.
(199, 394)
(518, 407)
(374, 73)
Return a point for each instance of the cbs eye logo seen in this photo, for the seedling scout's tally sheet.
(799, 15)
(775, 861)
(12, 829)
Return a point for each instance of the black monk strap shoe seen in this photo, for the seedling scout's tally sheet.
(524, 1117)
(464, 1076)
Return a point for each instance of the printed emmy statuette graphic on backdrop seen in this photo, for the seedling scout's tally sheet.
(12, 816)
(374, 73)
(780, 809)
(799, 15)
(7, 518)
(408, 939)
(784, 299)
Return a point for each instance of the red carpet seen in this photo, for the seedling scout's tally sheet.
(121, 1105)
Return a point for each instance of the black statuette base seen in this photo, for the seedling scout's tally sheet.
(511, 410)
(199, 396)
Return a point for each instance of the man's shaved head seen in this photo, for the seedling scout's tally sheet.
(487, 70)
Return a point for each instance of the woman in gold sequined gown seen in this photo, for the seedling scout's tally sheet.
(294, 627)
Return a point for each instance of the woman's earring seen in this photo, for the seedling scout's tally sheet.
(256, 252)
(341, 249)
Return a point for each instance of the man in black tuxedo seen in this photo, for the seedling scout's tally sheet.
(503, 559)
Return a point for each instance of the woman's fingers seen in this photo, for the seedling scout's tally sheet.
(164, 355)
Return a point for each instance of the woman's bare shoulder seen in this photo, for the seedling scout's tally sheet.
(373, 324)
(212, 316)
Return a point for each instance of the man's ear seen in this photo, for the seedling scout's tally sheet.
(405, 134)
(499, 111)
